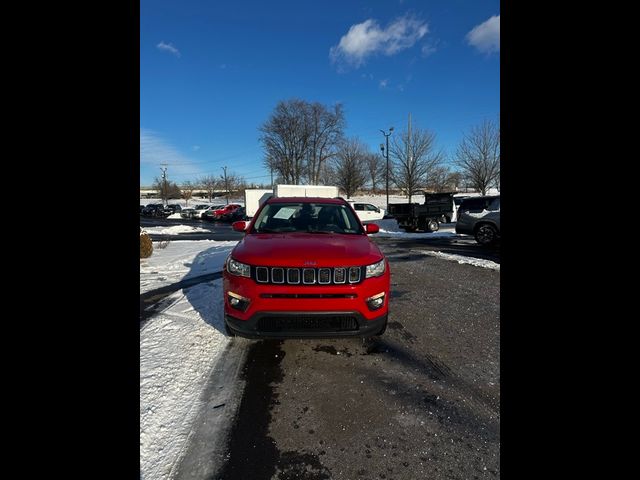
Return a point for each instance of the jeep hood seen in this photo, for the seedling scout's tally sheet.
(302, 249)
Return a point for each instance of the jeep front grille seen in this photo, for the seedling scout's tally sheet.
(308, 276)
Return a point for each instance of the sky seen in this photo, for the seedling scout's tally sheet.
(212, 72)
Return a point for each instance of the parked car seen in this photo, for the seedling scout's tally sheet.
(306, 268)
(154, 210)
(366, 211)
(480, 217)
(209, 214)
(236, 215)
(188, 212)
(141, 208)
(171, 209)
(221, 213)
(201, 209)
(457, 199)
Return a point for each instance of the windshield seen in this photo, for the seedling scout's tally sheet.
(307, 217)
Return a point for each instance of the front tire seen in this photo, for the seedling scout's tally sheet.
(486, 234)
(433, 226)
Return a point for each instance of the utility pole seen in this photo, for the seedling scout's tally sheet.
(410, 159)
(165, 199)
(387, 155)
(226, 184)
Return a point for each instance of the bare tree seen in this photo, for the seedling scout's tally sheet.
(327, 174)
(478, 156)
(167, 189)
(232, 183)
(376, 167)
(455, 180)
(187, 191)
(300, 137)
(285, 137)
(438, 180)
(349, 166)
(326, 130)
(414, 159)
(209, 183)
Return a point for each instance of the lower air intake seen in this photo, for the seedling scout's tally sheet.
(307, 323)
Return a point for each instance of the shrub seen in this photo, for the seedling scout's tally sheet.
(146, 246)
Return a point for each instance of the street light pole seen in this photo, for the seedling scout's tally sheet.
(165, 197)
(386, 135)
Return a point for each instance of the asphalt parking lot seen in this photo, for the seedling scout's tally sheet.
(423, 401)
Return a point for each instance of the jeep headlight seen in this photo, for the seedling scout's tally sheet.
(236, 268)
(376, 269)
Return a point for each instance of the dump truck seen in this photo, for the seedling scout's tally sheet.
(437, 208)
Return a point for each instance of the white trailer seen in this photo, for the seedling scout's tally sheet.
(253, 198)
(323, 191)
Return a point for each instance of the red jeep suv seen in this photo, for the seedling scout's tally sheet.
(306, 268)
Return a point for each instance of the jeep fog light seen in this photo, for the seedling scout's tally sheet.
(238, 301)
(375, 302)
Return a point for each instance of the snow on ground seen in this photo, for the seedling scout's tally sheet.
(178, 350)
(175, 229)
(478, 262)
(175, 215)
(182, 259)
(390, 228)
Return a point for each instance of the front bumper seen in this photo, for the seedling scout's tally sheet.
(297, 311)
(305, 325)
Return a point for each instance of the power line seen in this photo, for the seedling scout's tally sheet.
(221, 159)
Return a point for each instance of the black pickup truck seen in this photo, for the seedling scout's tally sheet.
(437, 207)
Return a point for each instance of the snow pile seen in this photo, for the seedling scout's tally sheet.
(178, 350)
(175, 215)
(182, 259)
(478, 262)
(389, 225)
(175, 230)
(391, 230)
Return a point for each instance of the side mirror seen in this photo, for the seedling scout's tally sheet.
(377, 210)
(239, 226)
(371, 228)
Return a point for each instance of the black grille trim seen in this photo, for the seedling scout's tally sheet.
(321, 276)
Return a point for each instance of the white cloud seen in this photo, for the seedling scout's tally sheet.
(154, 150)
(428, 50)
(167, 47)
(367, 38)
(384, 83)
(486, 36)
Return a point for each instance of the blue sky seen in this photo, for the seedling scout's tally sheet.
(211, 73)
